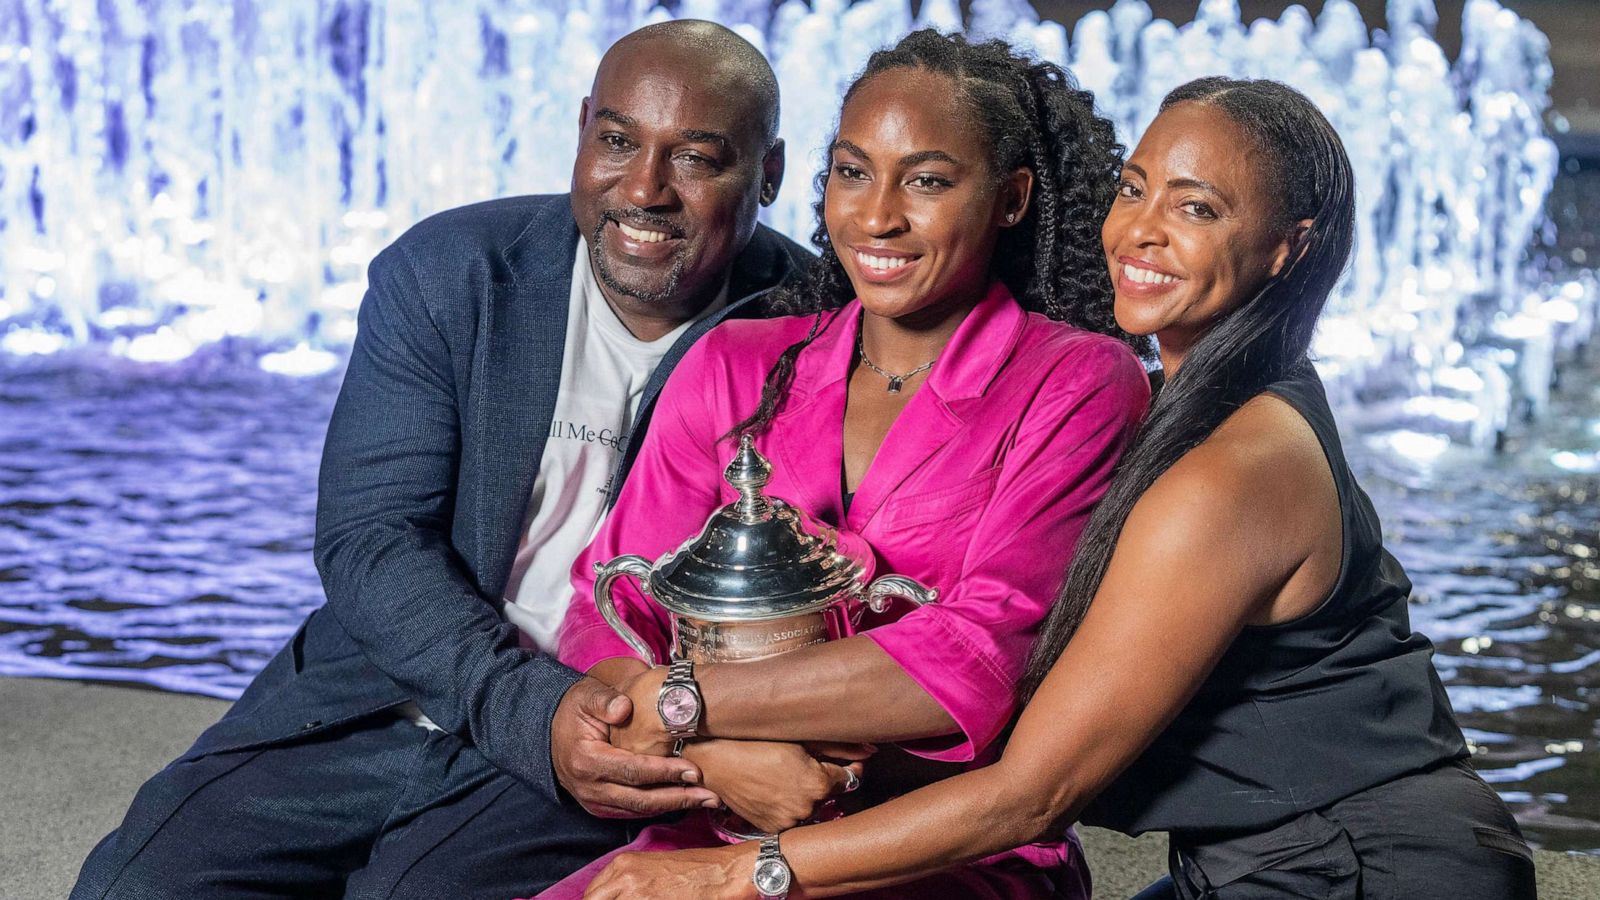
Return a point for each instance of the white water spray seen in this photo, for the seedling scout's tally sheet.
(176, 172)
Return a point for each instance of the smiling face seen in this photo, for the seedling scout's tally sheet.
(912, 206)
(1194, 231)
(672, 166)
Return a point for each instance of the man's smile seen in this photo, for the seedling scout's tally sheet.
(642, 235)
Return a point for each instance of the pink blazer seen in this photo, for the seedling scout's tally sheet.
(980, 489)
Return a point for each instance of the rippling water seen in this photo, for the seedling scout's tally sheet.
(1505, 556)
(156, 527)
(155, 522)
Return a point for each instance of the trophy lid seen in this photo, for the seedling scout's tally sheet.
(756, 558)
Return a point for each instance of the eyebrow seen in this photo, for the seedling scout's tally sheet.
(1180, 182)
(845, 145)
(922, 156)
(910, 159)
(700, 136)
(619, 118)
(1196, 183)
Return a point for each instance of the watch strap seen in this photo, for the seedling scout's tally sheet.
(769, 855)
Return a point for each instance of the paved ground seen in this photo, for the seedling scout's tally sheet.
(72, 754)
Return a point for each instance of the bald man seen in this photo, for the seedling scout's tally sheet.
(415, 736)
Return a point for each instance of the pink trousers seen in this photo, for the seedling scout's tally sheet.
(1003, 878)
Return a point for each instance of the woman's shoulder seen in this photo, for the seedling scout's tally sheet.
(1263, 457)
(736, 346)
(1076, 361)
(1267, 430)
(1070, 346)
(729, 363)
(719, 379)
(1259, 490)
(748, 339)
(1249, 508)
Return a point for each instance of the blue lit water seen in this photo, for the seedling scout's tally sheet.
(155, 522)
(156, 527)
(1505, 556)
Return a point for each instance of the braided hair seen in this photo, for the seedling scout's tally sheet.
(1247, 350)
(1035, 117)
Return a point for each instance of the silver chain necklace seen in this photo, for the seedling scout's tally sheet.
(896, 382)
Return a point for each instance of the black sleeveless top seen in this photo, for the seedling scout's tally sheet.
(1304, 713)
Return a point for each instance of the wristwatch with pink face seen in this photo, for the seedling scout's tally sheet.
(679, 701)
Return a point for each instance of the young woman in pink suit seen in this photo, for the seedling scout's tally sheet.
(949, 399)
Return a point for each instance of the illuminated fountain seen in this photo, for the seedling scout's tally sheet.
(178, 172)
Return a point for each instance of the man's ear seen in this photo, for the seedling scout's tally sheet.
(772, 172)
(583, 117)
(1292, 247)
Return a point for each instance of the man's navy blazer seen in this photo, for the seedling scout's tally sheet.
(429, 465)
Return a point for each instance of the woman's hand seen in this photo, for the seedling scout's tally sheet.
(774, 785)
(644, 733)
(718, 873)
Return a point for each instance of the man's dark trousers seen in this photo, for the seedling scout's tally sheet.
(383, 808)
(431, 456)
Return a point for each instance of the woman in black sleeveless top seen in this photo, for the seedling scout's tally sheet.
(1245, 677)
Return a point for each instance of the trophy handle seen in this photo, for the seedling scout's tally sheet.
(605, 575)
(886, 586)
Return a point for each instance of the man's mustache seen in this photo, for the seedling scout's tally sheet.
(638, 218)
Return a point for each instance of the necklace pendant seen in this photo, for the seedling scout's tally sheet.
(895, 384)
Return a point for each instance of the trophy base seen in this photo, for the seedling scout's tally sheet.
(733, 828)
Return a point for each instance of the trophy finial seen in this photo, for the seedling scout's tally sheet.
(748, 473)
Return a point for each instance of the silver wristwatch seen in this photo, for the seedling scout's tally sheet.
(772, 876)
(678, 703)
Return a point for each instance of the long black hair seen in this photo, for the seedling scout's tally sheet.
(1035, 117)
(1247, 350)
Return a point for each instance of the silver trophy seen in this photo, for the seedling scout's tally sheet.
(761, 578)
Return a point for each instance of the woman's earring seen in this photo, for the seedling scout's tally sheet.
(1011, 217)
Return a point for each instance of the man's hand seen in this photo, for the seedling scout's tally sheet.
(644, 733)
(609, 782)
(773, 785)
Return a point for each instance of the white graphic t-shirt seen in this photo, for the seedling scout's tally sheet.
(603, 375)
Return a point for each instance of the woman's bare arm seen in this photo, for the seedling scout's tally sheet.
(847, 691)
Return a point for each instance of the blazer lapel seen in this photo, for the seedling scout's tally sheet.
(809, 438)
(966, 367)
(517, 379)
(922, 430)
(808, 435)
